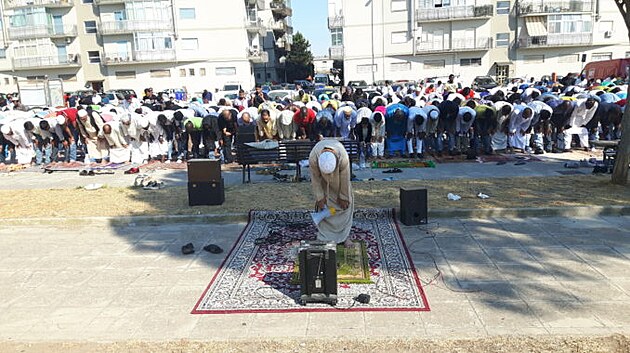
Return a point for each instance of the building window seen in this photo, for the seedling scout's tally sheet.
(202, 71)
(88, 1)
(35, 78)
(225, 71)
(187, 13)
(268, 75)
(336, 36)
(190, 44)
(3, 53)
(470, 62)
(628, 54)
(258, 75)
(503, 40)
(569, 59)
(125, 75)
(160, 73)
(601, 56)
(404, 66)
(434, 64)
(94, 57)
(534, 59)
(67, 77)
(182, 72)
(399, 5)
(6, 81)
(364, 69)
(503, 7)
(191, 72)
(90, 26)
(570, 24)
(399, 37)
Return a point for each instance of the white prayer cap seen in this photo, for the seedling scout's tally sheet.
(125, 118)
(434, 114)
(61, 120)
(143, 122)
(82, 113)
(96, 99)
(327, 162)
(6, 129)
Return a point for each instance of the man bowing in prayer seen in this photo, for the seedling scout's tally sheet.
(330, 180)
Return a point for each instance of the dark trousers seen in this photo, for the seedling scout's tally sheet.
(227, 149)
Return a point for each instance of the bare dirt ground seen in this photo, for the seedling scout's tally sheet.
(561, 191)
(507, 344)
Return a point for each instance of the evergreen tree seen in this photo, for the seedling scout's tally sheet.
(299, 59)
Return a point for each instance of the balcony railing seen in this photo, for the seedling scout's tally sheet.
(44, 31)
(335, 21)
(108, 2)
(278, 26)
(138, 56)
(14, 4)
(254, 25)
(568, 40)
(73, 60)
(336, 52)
(130, 26)
(451, 13)
(456, 44)
(551, 7)
(257, 56)
(281, 8)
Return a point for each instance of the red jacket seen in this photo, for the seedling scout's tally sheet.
(302, 122)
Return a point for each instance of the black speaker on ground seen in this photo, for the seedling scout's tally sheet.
(318, 272)
(204, 170)
(206, 193)
(413, 206)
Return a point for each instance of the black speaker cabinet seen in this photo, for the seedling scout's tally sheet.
(413, 206)
(318, 272)
(206, 193)
(204, 170)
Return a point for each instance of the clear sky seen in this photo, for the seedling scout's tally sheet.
(310, 17)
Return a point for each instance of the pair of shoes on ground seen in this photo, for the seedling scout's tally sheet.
(153, 185)
(87, 173)
(134, 170)
(211, 248)
(393, 170)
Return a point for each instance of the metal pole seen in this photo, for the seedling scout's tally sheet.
(372, 34)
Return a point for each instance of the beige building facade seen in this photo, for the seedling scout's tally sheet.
(163, 44)
(415, 39)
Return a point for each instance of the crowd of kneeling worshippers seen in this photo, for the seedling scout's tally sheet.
(411, 121)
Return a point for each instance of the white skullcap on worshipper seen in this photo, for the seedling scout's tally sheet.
(96, 99)
(82, 113)
(327, 162)
(434, 114)
(5, 129)
(61, 120)
(143, 121)
(125, 118)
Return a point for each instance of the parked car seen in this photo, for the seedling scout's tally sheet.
(360, 84)
(279, 94)
(327, 91)
(483, 83)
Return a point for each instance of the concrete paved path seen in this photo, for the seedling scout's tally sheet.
(99, 282)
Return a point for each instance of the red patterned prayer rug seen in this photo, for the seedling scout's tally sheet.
(256, 275)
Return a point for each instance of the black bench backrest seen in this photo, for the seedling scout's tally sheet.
(249, 155)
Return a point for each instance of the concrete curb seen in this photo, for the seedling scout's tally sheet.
(123, 221)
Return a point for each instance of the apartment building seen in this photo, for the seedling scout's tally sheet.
(108, 44)
(414, 39)
(275, 17)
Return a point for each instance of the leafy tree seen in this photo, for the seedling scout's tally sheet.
(299, 59)
(620, 173)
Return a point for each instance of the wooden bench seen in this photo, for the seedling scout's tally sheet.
(247, 155)
(292, 151)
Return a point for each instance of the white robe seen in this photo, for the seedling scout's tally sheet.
(332, 187)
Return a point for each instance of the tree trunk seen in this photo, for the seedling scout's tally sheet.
(622, 160)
